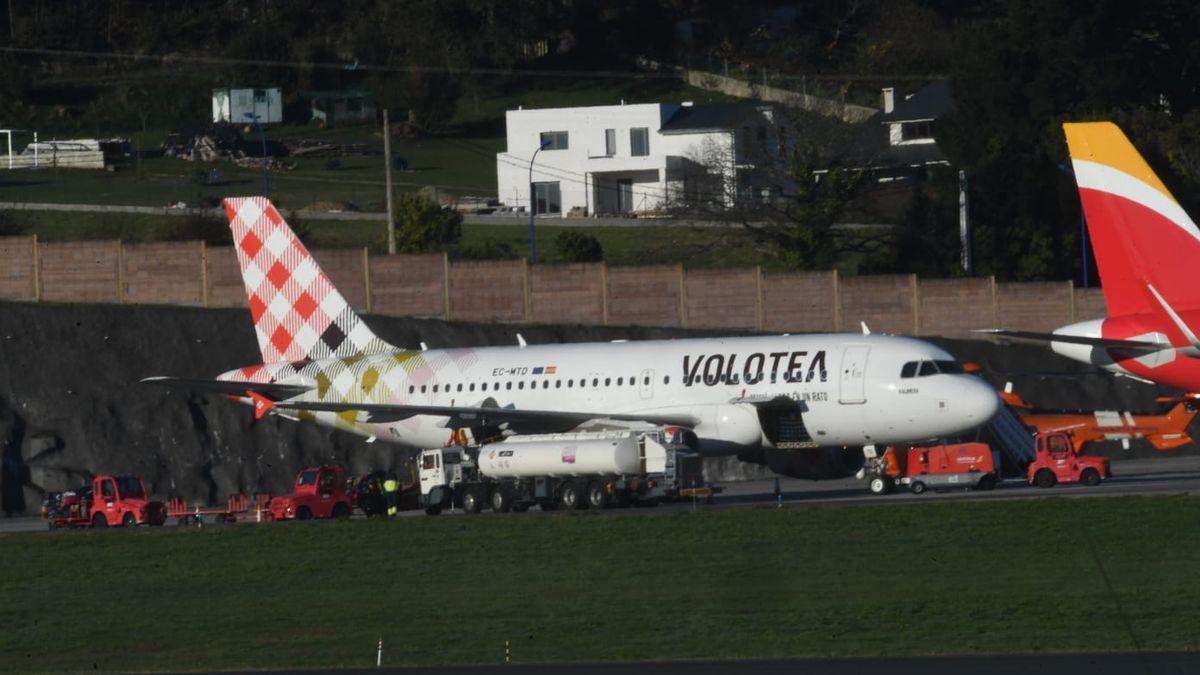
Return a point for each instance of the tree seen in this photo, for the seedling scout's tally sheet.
(424, 225)
(575, 246)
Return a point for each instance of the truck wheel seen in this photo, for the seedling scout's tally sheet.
(569, 497)
(128, 520)
(340, 511)
(303, 513)
(987, 482)
(1044, 478)
(596, 497)
(880, 485)
(522, 507)
(433, 510)
(917, 487)
(1090, 476)
(472, 502)
(500, 501)
(99, 520)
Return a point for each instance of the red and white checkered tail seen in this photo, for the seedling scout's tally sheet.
(297, 312)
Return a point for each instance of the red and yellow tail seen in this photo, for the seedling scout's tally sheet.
(1141, 235)
(298, 314)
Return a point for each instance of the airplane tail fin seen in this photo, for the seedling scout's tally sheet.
(1174, 433)
(298, 314)
(1140, 234)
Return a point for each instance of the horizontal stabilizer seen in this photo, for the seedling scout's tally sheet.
(465, 416)
(272, 390)
(1076, 339)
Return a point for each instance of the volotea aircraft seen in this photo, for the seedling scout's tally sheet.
(321, 362)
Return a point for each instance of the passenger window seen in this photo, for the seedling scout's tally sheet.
(429, 462)
(106, 490)
(666, 379)
(927, 368)
(422, 389)
(595, 382)
(545, 384)
(909, 369)
(558, 384)
(471, 387)
(483, 386)
(608, 381)
(411, 388)
(508, 385)
(459, 388)
(646, 381)
(620, 381)
(435, 389)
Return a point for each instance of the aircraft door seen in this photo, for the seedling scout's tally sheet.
(646, 384)
(853, 382)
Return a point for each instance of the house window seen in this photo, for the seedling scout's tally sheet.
(260, 96)
(912, 131)
(639, 142)
(547, 198)
(610, 142)
(554, 140)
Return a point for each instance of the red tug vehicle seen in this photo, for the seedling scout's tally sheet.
(109, 500)
(320, 492)
(1058, 461)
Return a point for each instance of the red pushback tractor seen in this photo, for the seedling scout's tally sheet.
(922, 467)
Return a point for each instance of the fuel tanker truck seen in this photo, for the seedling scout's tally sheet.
(582, 470)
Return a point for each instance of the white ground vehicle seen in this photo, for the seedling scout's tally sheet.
(579, 470)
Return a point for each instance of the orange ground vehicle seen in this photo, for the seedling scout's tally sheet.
(109, 500)
(319, 492)
(1164, 432)
(922, 467)
(1058, 461)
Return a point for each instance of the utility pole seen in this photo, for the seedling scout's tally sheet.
(387, 160)
(964, 223)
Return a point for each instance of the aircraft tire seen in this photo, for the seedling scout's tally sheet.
(340, 511)
(917, 487)
(1044, 478)
(433, 510)
(303, 513)
(128, 520)
(596, 497)
(500, 501)
(880, 485)
(1090, 476)
(987, 482)
(99, 520)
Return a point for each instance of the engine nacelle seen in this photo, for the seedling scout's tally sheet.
(730, 423)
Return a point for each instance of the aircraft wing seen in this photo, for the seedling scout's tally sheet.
(272, 390)
(464, 416)
(1077, 339)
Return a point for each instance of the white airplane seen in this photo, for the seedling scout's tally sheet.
(321, 362)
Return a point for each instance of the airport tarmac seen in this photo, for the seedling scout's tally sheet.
(1118, 663)
(1157, 475)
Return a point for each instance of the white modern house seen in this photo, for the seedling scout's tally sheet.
(631, 159)
(241, 105)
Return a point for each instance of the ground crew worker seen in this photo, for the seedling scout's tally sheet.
(391, 488)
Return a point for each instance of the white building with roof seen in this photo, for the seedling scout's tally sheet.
(634, 159)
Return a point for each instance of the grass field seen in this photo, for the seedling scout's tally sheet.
(1009, 576)
(643, 245)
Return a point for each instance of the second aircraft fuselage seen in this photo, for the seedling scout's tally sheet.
(849, 390)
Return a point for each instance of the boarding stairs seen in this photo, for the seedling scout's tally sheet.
(1014, 439)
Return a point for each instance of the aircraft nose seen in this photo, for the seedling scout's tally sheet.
(979, 402)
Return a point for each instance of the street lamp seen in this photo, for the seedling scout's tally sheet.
(533, 204)
(253, 117)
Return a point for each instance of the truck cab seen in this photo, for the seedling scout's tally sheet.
(440, 471)
(319, 492)
(1058, 461)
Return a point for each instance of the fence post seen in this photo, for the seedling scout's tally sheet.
(120, 272)
(682, 296)
(204, 274)
(916, 303)
(758, 298)
(995, 303)
(37, 270)
(367, 276)
(1071, 291)
(837, 301)
(446, 281)
(528, 308)
(604, 291)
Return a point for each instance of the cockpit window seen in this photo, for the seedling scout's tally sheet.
(948, 367)
(909, 369)
(927, 368)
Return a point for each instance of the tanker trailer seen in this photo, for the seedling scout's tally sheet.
(573, 470)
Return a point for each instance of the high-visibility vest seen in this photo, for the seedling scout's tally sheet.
(391, 485)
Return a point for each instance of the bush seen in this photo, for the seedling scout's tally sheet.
(488, 249)
(209, 229)
(576, 246)
(422, 225)
(9, 225)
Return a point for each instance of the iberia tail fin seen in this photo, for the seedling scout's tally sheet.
(1141, 235)
(298, 314)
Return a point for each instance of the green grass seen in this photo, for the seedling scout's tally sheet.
(938, 578)
(642, 245)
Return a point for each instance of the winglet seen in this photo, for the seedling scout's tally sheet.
(865, 330)
(262, 404)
